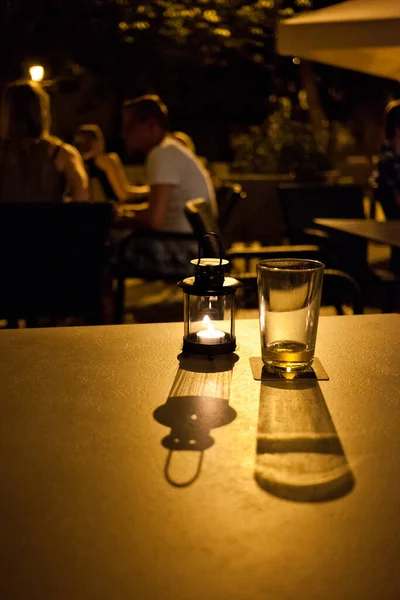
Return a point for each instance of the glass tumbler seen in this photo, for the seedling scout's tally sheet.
(289, 293)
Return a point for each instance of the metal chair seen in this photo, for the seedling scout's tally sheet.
(301, 204)
(200, 217)
(199, 214)
(339, 287)
(125, 267)
(228, 195)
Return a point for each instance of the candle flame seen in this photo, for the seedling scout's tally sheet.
(209, 335)
(207, 321)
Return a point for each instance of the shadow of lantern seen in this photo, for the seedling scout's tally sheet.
(198, 402)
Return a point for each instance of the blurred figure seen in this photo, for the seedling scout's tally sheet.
(175, 174)
(386, 177)
(105, 169)
(185, 139)
(34, 165)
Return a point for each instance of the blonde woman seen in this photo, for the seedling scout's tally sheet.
(34, 165)
(105, 168)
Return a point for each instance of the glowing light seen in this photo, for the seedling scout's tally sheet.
(141, 25)
(123, 26)
(174, 12)
(222, 32)
(303, 3)
(210, 335)
(212, 16)
(303, 100)
(36, 72)
(296, 61)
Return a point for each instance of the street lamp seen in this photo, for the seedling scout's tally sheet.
(36, 72)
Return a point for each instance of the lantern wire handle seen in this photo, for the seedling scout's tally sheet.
(219, 247)
(184, 483)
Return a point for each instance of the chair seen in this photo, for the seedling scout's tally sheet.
(339, 287)
(52, 260)
(202, 221)
(258, 216)
(227, 196)
(125, 269)
(301, 204)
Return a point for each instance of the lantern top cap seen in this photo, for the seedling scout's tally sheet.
(227, 288)
(209, 262)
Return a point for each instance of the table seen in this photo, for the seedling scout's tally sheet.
(125, 214)
(85, 509)
(387, 232)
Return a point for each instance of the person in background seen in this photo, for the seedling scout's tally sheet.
(34, 165)
(175, 174)
(185, 139)
(386, 176)
(105, 168)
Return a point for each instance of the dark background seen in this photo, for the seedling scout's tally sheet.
(213, 63)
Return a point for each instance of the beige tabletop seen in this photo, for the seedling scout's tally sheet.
(387, 232)
(297, 498)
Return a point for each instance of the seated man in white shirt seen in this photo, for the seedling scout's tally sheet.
(175, 175)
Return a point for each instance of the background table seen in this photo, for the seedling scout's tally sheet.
(86, 512)
(387, 232)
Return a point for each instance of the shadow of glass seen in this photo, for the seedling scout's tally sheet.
(198, 402)
(299, 453)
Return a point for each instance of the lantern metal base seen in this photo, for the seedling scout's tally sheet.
(193, 347)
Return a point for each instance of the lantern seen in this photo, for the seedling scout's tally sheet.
(209, 307)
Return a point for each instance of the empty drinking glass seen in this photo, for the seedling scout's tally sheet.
(289, 292)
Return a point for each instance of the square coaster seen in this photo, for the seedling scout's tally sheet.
(262, 372)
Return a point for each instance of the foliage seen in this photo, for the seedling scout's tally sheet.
(281, 145)
(162, 46)
(211, 31)
(89, 31)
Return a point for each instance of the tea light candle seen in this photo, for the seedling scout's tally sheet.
(210, 335)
